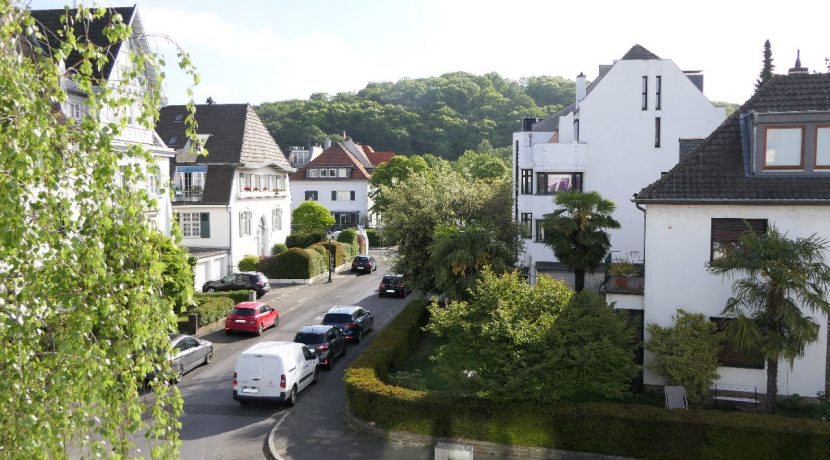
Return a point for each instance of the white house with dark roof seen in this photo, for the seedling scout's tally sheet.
(767, 165)
(235, 200)
(76, 106)
(622, 131)
(339, 179)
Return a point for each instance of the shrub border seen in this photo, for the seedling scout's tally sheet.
(604, 428)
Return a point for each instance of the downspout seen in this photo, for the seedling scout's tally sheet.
(637, 205)
(230, 237)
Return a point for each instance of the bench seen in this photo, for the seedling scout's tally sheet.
(735, 389)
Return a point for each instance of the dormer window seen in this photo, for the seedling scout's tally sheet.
(173, 140)
(179, 118)
(784, 147)
(823, 147)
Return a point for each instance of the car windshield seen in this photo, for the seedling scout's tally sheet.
(337, 318)
(361, 259)
(309, 338)
(390, 279)
(244, 312)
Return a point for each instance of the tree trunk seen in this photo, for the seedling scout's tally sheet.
(579, 280)
(772, 385)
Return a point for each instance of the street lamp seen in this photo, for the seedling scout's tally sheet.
(331, 257)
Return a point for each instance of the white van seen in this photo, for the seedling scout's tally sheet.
(274, 371)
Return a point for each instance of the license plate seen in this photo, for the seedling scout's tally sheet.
(390, 291)
(250, 390)
(239, 321)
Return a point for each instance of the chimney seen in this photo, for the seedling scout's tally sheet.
(326, 144)
(798, 70)
(580, 88)
(344, 135)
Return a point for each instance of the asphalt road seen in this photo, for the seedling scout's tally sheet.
(214, 426)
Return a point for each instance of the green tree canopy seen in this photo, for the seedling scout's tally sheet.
(311, 216)
(768, 67)
(177, 274)
(577, 231)
(516, 341)
(483, 163)
(778, 280)
(388, 174)
(81, 319)
(687, 353)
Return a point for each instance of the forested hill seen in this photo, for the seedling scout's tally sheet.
(443, 115)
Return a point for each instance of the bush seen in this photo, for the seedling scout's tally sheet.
(235, 296)
(278, 249)
(607, 428)
(294, 263)
(339, 252)
(304, 240)
(348, 236)
(374, 237)
(212, 308)
(686, 354)
(248, 263)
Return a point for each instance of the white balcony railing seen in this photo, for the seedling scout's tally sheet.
(261, 193)
(190, 194)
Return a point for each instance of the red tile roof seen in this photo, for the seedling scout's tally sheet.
(335, 155)
(379, 157)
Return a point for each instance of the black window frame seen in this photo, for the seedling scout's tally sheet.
(526, 223)
(729, 357)
(312, 195)
(729, 230)
(657, 132)
(542, 185)
(539, 235)
(527, 182)
(645, 93)
(659, 92)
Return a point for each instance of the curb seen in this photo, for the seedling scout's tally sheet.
(479, 447)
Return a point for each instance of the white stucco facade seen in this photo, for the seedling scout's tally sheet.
(678, 249)
(610, 140)
(324, 188)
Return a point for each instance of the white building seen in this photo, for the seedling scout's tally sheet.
(235, 200)
(301, 156)
(767, 165)
(77, 107)
(339, 179)
(621, 132)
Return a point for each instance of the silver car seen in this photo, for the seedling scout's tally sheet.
(189, 353)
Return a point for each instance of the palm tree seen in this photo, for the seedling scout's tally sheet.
(576, 231)
(459, 254)
(781, 279)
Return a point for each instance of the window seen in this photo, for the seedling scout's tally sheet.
(281, 182)
(344, 195)
(195, 224)
(576, 130)
(540, 230)
(245, 223)
(332, 173)
(550, 183)
(75, 111)
(527, 224)
(179, 118)
(343, 172)
(784, 147)
(726, 234)
(645, 93)
(324, 173)
(659, 103)
(153, 184)
(311, 195)
(657, 132)
(189, 184)
(272, 182)
(823, 147)
(728, 356)
(313, 173)
(276, 219)
(527, 181)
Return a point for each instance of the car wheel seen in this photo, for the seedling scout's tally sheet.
(259, 329)
(276, 322)
(330, 364)
(359, 335)
(380, 294)
(372, 325)
(292, 397)
(343, 353)
(211, 289)
(242, 402)
(209, 355)
(316, 377)
(179, 373)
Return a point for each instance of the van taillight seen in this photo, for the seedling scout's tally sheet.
(282, 381)
(235, 383)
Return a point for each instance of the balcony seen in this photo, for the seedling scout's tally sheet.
(248, 192)
(570, 156)
(188, 194)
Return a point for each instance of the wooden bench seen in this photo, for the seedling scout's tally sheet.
(735, 389)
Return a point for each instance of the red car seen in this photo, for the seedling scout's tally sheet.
(251, 317)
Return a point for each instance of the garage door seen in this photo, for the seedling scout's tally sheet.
(200, 276)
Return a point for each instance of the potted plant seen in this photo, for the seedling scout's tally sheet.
(247, 188)
(621, 271)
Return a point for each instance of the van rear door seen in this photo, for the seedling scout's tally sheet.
(249, 374)
(272, 371)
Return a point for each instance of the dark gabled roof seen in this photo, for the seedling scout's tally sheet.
(715, 170)
(218, 185)
(237, 135)
(637, 52)
(53, 29)
(336, 155)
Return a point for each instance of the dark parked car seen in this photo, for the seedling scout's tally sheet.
(254, 281)
(393, 284)
(328, 341)
(364, 264)
(354, 321)
(251, 317)
(189, 353)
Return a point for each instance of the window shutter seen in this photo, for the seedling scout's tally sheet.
(241, 224)
(333, 195)
(351, 195)
(204, 224)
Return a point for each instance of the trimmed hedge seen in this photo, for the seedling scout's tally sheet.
(235, 296)
(304, 240)
(348, 235)
(294, 263)
(339, 252)
(248, 263)
(608, 428)
(212, 308)
(278, 249)
(374, 237)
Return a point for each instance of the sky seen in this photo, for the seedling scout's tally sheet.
(259, 51)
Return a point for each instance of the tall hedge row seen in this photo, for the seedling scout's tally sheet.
(608, 428)
(304, 240)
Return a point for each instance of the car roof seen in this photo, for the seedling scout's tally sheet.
(250, 273)
(249, 304)
(393, 274)
(338, 309)
(176, 337)
(315, 329)
(269, 347)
